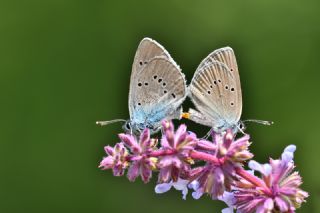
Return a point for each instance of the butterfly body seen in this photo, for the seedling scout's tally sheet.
(151, 118)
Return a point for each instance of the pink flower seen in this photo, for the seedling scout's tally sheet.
(141, 163)
(116, 159)
(217, 177)
(279, 191)
(178, 144)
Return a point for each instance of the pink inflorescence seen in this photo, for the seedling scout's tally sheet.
(216, 177)
(279, 190)
(179, 144)
(215, 168)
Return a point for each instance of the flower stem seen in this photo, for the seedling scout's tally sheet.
(204, 156)
(159, 153)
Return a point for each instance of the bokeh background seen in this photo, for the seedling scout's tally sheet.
(65, 64)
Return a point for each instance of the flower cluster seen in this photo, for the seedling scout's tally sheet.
(277, 190)
(217, 177)
(215, 168)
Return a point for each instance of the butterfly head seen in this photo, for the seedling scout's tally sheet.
(241, 127)
(234, 127)
(127, 126)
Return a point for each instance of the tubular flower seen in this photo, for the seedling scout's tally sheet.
(116, 159)
(217, 177)
(279, 191)
(141, 163)
(180, 184)
(178, 144)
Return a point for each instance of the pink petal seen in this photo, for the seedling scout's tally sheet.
(268, 204)
(146, 173)
(181, 134)
(130, 141)
(206, 145)
(283, 206)
(133, 171)
(145, 138)
(109, 150)
(107, 163)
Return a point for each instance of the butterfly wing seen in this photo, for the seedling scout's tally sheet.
(157, 91)
(147, 50)
(226, 56)
(213, 90)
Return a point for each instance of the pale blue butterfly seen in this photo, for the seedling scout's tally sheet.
(157, 89)
(215, 91)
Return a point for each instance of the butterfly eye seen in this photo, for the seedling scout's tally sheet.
(127, 126)
(242, 126)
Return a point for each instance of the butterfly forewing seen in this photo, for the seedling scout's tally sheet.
(157, 91)
(214, 92)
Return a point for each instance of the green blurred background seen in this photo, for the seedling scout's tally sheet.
(65, 64)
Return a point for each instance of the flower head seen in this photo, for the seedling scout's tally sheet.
(279, 191)
(178, 144)
(217, 177)
(141, 163)
(116, 159)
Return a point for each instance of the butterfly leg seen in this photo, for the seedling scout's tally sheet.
(131, 132)
(207, 135)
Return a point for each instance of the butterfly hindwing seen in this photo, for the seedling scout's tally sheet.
(147, 50)
(226, 56)
(157, 88)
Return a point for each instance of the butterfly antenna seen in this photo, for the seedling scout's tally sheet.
(267, 123)
(104, 123)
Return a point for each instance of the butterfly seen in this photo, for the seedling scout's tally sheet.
(215, 91)
(157, 89)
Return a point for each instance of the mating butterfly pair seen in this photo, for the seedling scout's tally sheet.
(158, 88)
